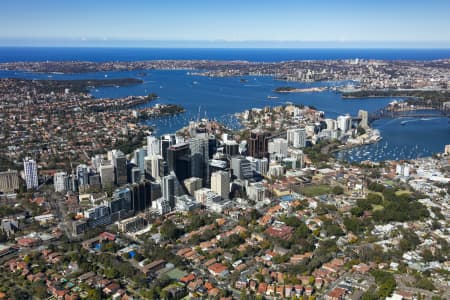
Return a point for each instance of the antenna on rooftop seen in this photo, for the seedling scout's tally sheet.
(198, 114)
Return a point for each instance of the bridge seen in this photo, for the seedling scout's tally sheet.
(416, 112)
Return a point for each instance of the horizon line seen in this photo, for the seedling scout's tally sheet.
(219, 44)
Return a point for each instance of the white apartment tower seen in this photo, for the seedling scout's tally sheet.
(344, 123)
(297, 137)
(30, 170)
(220, 183)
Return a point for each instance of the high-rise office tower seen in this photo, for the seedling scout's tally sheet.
(139, 155)
(153, 166)
(220, 183)
(106, 171)
(192, 184)
(212, 146)
(97, 161)
(141, 195)
(179, 160)
(167, 141)
(259, 165)
(153, 145)
(241, 167)
(168, 187)
(364, 116)
(231, 148)
(9, 181)
(82, 172)
(135, 175)
(30, 170)
(120, 168)
(121, 200)
(278, 147)
(61, 182)
(199, 158)
(258, 143)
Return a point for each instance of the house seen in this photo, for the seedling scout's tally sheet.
(28, 242)
(153, 266)
(214, 292)
(298, 258)
(280, 231)
(262, 288)
(270, 290)
(188, 278)
(335, 294)
(361, 268)
(111, 288)
(218, 270)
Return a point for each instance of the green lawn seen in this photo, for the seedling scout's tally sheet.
(176, 274)
(376, 207)
(316, 190)
(402, 192)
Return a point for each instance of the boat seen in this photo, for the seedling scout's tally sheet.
(272, 97)
(403, 123)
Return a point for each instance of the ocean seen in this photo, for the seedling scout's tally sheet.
(9, 54)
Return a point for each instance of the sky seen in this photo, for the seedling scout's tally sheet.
(210, 23)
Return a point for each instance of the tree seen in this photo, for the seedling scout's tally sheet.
(385, 281)
(94, 294)
(170, 231)
(337, 190)
(425, 283)
(20, 294)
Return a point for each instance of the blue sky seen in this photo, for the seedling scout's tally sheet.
(262, 23)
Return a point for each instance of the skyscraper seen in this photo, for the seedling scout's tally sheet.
(231, 148)
(344, 122)
(241, 167)
(258, 165)
(153, 145)
(121, 200)
(258, 143)
(220, 183)
(153, 166)
(82, 173)
(278, 147)
(120, 168)
(9, 181)
(192, 184)
(141, 195)
(166, 141)
(30, 170)
(179, 160)
(139, 155)
(135, 175)
(199, 158)
(364, 116)
(60, 182)
(297, 137)
(169, 189)
(106, 171)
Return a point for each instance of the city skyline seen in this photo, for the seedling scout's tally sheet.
(262, 24)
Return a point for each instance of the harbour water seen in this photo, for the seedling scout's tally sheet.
(221, 98)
